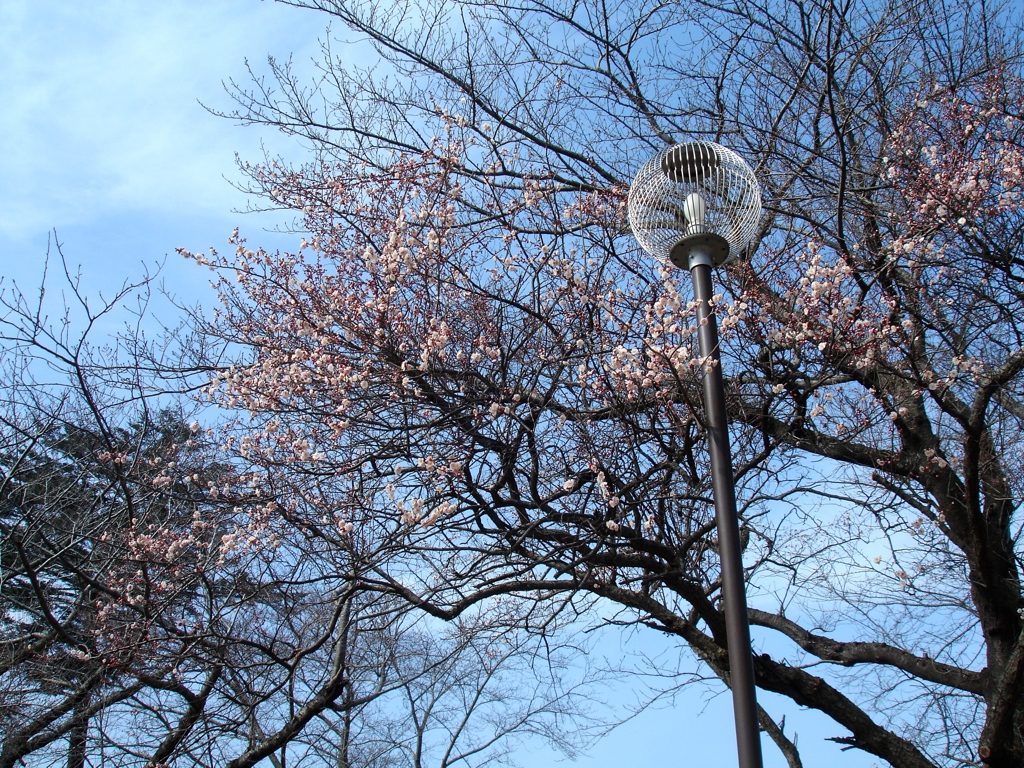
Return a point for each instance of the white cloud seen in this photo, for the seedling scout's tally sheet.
(100, 104)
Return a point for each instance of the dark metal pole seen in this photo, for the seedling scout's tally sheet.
(741, 663)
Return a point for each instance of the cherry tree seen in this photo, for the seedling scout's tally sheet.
(103, 533)
(154, 611)
(469, 359)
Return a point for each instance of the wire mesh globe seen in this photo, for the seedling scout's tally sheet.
(694, 195)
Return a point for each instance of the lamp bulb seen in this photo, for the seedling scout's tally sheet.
(694, 209)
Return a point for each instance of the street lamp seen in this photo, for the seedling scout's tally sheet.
(695, 206)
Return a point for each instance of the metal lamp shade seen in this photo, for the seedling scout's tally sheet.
(696, 193)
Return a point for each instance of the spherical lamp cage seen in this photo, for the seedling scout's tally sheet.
(694, 196)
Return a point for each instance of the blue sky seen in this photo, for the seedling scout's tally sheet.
(103, 137)
(103, 141)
